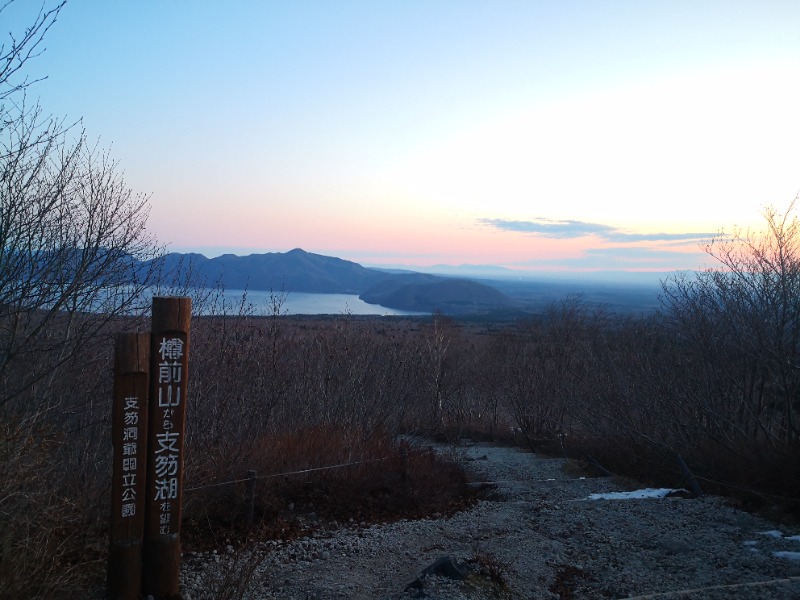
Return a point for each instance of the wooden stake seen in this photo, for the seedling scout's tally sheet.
(129, 440)
(169, 368)
(689, 478)
(251, 498)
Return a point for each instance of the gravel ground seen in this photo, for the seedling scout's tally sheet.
(535, 536)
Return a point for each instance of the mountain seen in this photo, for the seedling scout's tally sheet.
(301, 271)
(429, 293)
(293, 271)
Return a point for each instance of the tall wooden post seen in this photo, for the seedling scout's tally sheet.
(129, 439)
(169, 360)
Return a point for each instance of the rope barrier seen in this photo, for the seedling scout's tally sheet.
(220, 484)
(303, 471)
(733, 486)
(548, 480)
(715, 587)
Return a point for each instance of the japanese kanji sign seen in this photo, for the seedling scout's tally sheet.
(169, 353)
(129, 440)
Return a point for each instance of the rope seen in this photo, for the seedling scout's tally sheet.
(548, 480)
(715, 587)
(302, 471)
(733, 486)
(211, 485)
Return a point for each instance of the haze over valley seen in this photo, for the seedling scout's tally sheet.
(461, 291)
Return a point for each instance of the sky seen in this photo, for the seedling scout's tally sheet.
(560, 136)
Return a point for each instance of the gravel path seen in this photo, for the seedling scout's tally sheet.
(535, 536)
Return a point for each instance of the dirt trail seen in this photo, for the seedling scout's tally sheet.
(535, 536)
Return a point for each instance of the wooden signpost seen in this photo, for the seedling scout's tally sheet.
(129, 435)
(151, 374)
(169, 361)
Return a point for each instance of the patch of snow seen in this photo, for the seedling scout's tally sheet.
(773, 533)
(635, 495)
(787, 555)
(750, 543)
(794, 538)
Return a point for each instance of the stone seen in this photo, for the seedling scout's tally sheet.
(681, 493)
(446, 567)
(442, 567)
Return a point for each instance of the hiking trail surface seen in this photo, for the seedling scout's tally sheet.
(535, 535)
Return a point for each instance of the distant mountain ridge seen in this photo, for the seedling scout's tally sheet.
(293, 271)
(301, 271)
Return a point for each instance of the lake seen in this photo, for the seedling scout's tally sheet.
(300, 303)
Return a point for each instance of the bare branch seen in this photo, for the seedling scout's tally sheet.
(18, 51)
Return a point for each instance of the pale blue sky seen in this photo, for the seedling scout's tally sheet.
(438, 132)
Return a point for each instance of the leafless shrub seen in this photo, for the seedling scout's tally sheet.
(545, 370)
(233, 580)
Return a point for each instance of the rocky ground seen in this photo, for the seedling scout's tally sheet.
(535, 535)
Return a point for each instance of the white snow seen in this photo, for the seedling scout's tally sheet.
(773, 533)
(635, 495)
(787, 555)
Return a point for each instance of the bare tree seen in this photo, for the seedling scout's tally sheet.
(19, 49)
(442, 373)
(75, 255)
(741, 320)
(546, 369)
(72, 234)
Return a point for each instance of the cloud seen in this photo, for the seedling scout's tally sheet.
(550, 228)
(576, 229)
(621, 236)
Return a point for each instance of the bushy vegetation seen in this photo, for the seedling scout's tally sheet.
(279, 397)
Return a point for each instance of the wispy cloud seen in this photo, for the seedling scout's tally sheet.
(576, 229)
(621, 236)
